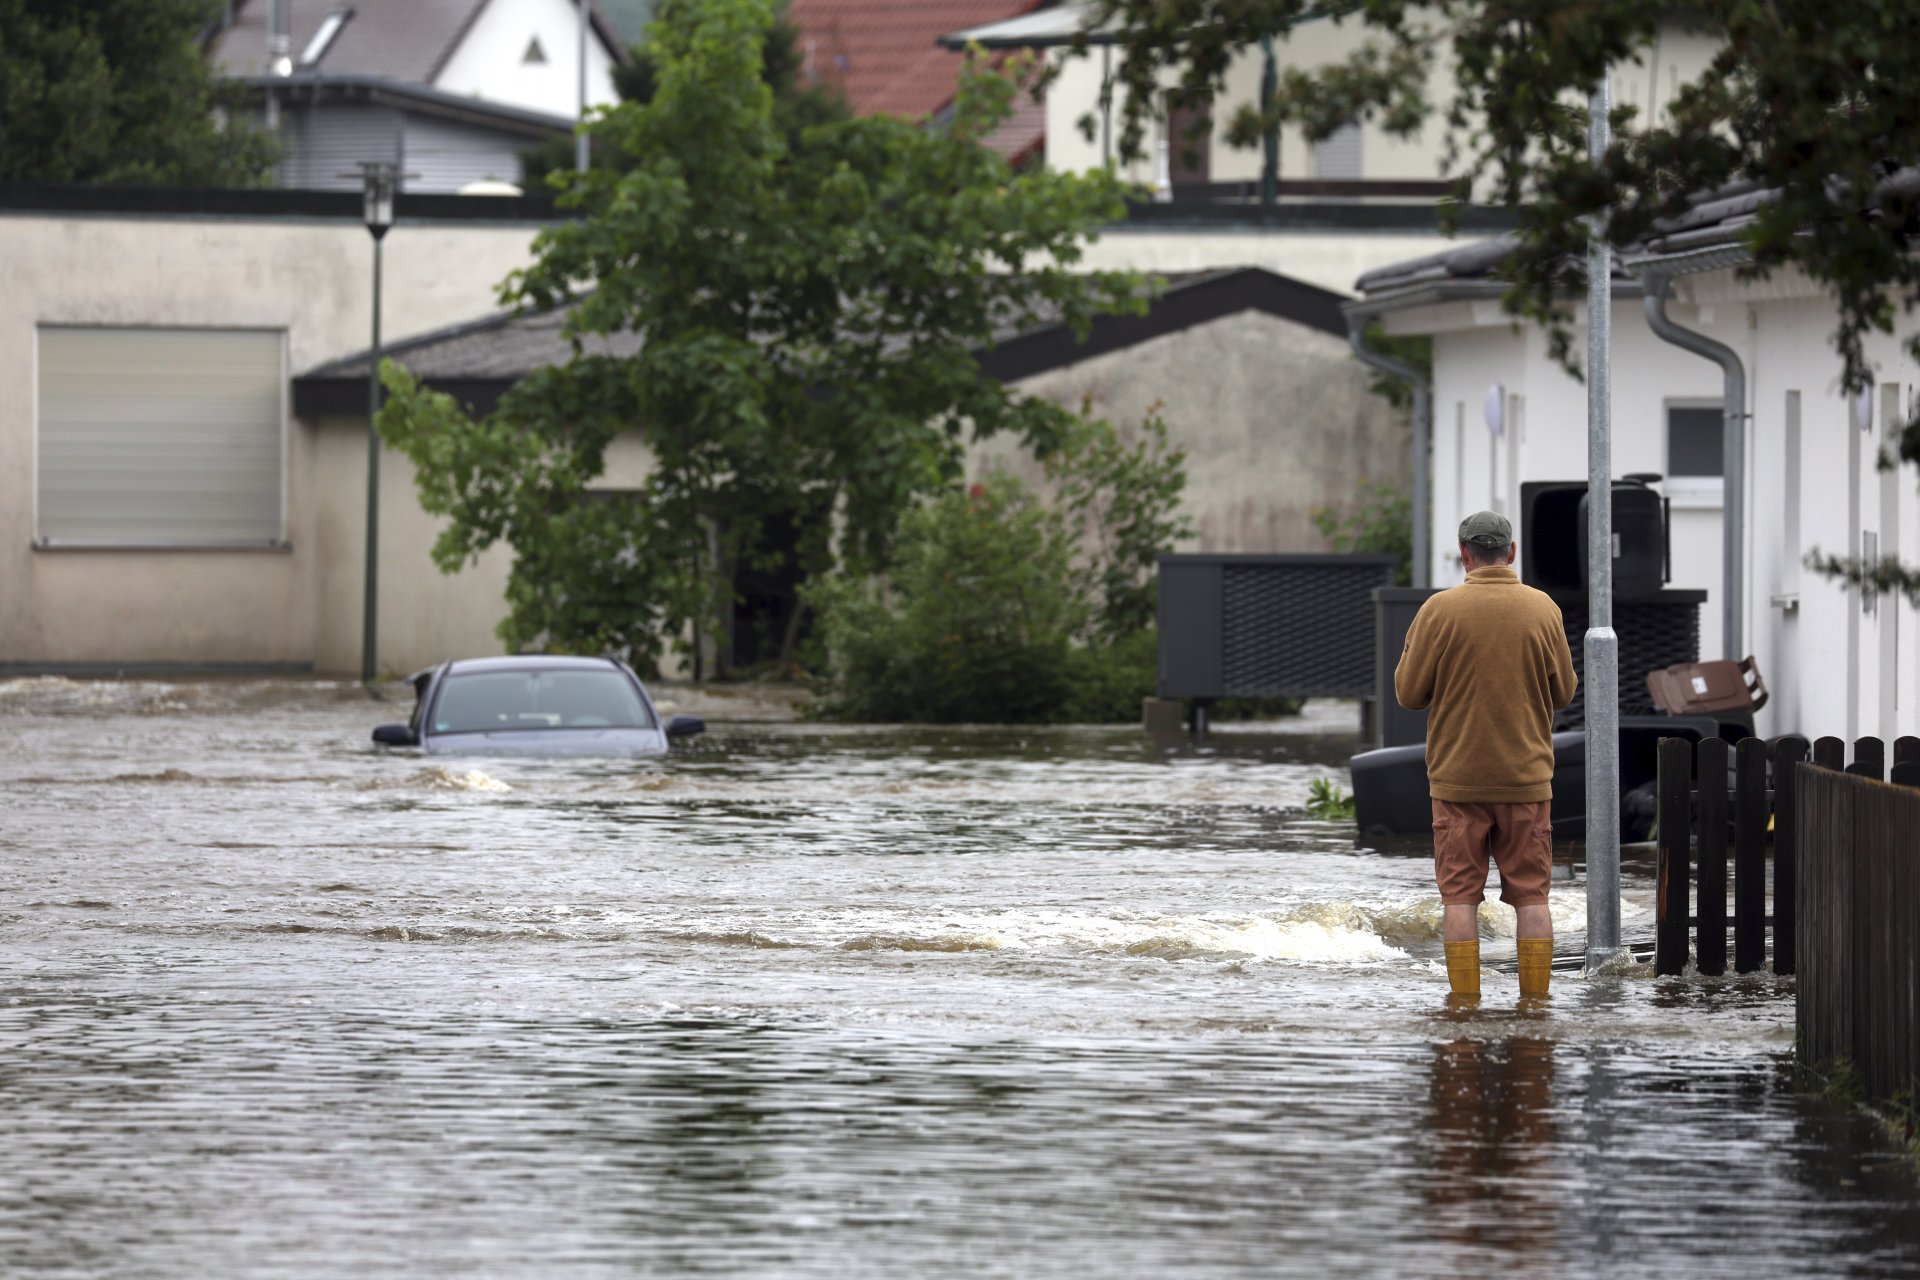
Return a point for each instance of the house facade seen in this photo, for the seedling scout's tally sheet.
(160, 504)
(1838, 661)
(1187, 153)
(183, 438)
(450, 91)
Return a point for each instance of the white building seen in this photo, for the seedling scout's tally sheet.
(451, 91)
(1363, 159)
(1837, 661)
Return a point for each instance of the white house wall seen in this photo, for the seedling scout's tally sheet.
(1833, 668)
(490, 61)
(1858, 671)
(311, 280)
(1544, 436)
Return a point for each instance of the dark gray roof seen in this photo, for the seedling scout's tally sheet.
(1713, 220)
(405, 40)
(478, 360)
(307, 87)
(508, 345)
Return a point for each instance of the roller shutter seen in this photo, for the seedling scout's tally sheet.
(160, 437)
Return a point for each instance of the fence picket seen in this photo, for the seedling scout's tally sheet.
(1710, 944)
(1675, 823)
(1869, 758)
(1788, 753)
(1749, 859)
(1830, 753)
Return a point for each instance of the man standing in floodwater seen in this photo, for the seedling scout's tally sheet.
(1489, 659)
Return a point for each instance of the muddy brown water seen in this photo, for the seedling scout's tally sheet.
(815, 1001)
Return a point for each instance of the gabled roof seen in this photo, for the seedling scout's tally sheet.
(404, 40)
(477, 362)
(886, 53)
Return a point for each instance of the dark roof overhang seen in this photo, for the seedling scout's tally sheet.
(339, 388)
(320, 86)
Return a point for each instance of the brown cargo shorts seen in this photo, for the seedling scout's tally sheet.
(1519, 836)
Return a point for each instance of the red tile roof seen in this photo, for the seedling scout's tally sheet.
(883, 52)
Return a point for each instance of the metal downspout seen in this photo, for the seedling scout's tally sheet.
(1734, 446)
(1422, 430)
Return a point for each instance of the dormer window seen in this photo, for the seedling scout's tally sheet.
(535, 56)
(323, 38)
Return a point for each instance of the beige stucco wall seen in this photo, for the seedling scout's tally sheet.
(1276, 420)
(312, 280)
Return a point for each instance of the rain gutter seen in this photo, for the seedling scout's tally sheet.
(1657, 273)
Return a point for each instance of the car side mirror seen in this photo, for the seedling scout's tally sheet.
(395, 735)
(685, 726)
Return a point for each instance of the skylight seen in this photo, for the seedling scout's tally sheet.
(323, 38)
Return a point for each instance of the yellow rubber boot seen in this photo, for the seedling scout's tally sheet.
(1463, 967)
(1536, 964)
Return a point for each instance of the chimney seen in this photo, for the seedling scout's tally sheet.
(279, 58)
(279, 42)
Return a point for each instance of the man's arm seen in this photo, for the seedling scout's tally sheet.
(1561, 681)
(1413, 677)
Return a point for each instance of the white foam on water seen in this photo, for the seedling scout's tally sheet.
(439, 778)
(1328, 934)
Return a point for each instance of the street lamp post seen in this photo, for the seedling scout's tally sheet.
(379, 178)
(1602, 644)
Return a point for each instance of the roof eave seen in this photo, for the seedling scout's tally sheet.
(451, 106)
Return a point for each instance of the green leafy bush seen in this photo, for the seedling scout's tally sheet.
(1382, 522)
(999, 607)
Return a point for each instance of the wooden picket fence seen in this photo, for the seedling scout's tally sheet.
(1858, 992)
(1733, 835)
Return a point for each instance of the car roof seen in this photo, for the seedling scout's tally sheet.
(529, 662)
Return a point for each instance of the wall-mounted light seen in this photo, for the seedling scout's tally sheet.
(1863, 408)
(1496, 409)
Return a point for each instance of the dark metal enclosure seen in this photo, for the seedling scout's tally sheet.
(1269, 626)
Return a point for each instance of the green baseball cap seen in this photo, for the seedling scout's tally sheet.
(1487, 529)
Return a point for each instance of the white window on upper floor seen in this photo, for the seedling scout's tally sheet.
(159, 437)
(1339, 156)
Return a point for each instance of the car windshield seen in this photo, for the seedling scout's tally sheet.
(493, 701)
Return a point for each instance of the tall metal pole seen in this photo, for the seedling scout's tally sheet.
(1602, 645)
(369, 626)
(1270, 139)
(580, 138)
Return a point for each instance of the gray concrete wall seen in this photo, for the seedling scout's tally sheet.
(1276, 420)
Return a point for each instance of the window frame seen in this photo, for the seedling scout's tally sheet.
(1690, 492)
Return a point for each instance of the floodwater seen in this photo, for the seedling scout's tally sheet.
(811, 1001)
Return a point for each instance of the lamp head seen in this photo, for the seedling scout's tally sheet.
(378, 179)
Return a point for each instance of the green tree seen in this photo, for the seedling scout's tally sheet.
(117, 91)
(797, 104)
(1811, 102)
(806, 313)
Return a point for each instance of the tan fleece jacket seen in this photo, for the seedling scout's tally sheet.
(1489, 659)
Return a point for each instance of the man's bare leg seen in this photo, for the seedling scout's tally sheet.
(1533, 930)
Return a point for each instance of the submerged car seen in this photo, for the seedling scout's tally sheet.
(534, 706)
